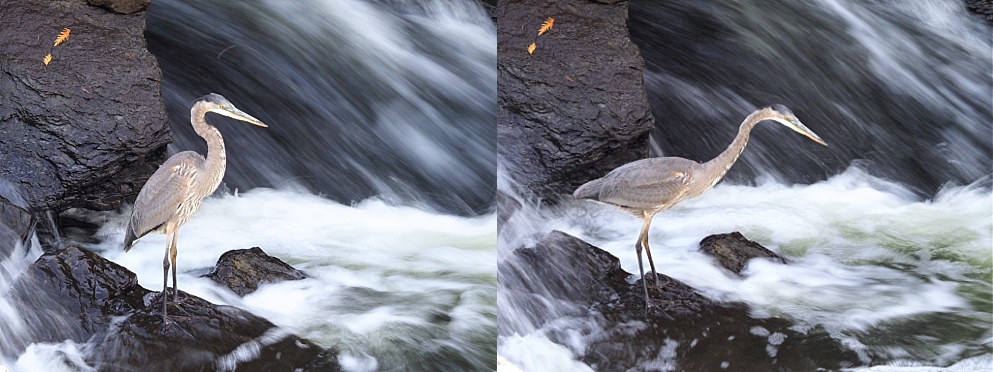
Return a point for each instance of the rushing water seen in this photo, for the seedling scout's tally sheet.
(889, 229)
(375, 177)
(363, 98)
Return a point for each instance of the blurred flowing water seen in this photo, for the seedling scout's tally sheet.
(375, 176)
(889, 228)
(363, 98)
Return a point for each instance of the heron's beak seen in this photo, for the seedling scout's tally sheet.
(235, 113)
(797, 126)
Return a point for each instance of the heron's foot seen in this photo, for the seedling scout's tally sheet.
(176, 299)
(654, 310)
(177, 308)
(172, 329)
(655, 277)
(648, 308)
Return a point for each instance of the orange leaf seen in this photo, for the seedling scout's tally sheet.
(63, 36)
(48, 58)
(546, 26)
(531, 48)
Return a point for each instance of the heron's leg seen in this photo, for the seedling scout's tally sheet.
(172, 257)
(641, 267)
(165, 277)
(648, 251)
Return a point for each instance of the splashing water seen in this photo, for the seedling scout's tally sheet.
(389, 286)
(852, 237)
(889, 238)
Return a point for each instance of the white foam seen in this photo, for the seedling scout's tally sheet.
(375, 268)
(850, 238)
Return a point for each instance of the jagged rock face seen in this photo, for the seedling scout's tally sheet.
(576, 107)
(242, 270)
(76, 294)
(90, 127)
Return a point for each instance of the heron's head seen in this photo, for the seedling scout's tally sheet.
(784, 116)
(217, 103)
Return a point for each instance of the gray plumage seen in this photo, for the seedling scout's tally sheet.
(649, 186)
(174, 192)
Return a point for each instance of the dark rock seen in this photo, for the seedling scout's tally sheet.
(507, 206)
(695, 333)
(981, 7)
(490, 6)
(733, 251)
(90, 127)
(122, 6)
(553, 268)
(575, 108)
(566, 268)
(242, 270)
(77, 295)
(16, 224)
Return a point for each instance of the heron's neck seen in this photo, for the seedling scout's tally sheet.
(216, 159)
(720, 165)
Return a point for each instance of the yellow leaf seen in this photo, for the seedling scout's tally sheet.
(546, 26)
(48, 58)
(63, 36)
(531, 48)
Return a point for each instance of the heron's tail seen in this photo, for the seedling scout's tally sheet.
(589, 190)
(129, 238)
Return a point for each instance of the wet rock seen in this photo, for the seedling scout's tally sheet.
(242, 270)
(576, 107)
(553, 268)
(16, 224)
(507, 206)
(981, 7)
(683, 328)
(76, 294)
(733, 251)
(90, 127)
(490, 6)
(122, 6)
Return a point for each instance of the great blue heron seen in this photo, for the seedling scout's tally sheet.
(649, 186)
(174, 192)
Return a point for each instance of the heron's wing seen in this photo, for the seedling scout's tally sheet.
(648, 184)
(162, 195)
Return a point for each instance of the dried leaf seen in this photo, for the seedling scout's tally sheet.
(63, 36)
(48, 58)
(531, 48)
(546, 26)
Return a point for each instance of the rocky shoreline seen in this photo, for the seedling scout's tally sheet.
(98, 302)
(707, 333)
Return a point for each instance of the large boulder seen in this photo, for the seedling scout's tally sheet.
(562, 275)
(733, 251)
(242, 270)
(576, 107)
(77, 295)
(87, 129)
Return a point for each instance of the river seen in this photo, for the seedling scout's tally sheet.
(889, 229)
(375, 177)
